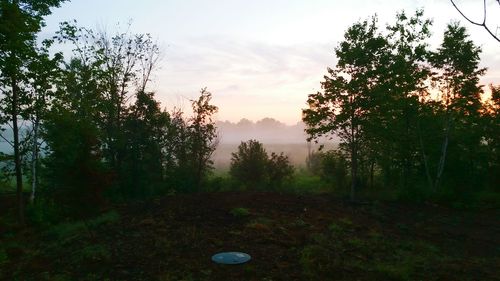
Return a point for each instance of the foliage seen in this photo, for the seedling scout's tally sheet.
(75, 172)
(253, 168)
(279, 170)
(202, 137)
(409, 118)
(20, 21)
(331, 166)
(343, 107)
(249, 163)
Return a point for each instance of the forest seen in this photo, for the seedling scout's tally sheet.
(101, 181)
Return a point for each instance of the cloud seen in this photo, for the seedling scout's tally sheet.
(260, 76)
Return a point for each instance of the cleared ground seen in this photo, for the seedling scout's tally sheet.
(290, 237)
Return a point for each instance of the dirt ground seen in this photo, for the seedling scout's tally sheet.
(289, 237)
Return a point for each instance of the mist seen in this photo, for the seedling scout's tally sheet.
(275, 135)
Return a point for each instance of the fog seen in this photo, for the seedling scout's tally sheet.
(275, 135)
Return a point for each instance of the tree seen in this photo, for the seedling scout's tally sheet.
(20, 21)
(482, 23)
(458, 73)
(343, 107)
(492, 137)
(203, 136)
(249, 163)
(43, 76)
(75, 175)
(144, 126)
(116, 68)
(406, 73)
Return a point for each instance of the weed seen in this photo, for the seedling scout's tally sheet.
(95, 252)
(262, 220)
(346, 222)
(355, 242)
(260, 223)
(73, 229)
(240, 212)
(403, 227)
(106, 218)
(375, 235)
(316, 260)
(393, 271)
(3, 257)
(299, 223)
(319, 238)
(335, 228)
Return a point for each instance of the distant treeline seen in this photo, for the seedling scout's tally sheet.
(267, 130)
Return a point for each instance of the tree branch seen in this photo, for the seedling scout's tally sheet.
(483, 24)
(6, 140)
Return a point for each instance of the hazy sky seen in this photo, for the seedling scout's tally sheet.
(259, 58)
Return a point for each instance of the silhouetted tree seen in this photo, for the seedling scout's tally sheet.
(458, 73)
(202, 137)
(343, 107)
(249, 163)
(20, 21)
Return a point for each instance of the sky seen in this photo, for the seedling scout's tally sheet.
(258, 58)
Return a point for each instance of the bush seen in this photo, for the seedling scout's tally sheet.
(240, 212)
(249, 164)
(252, 167)
(279, 170)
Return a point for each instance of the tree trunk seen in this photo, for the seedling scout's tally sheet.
(354, 164)
(372, 167)
(424, 158)
(354, 171)
(34, 161)
(444, 149)
(17, 156)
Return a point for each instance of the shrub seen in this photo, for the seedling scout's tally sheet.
(279, 169)
(252, 167)
(249, 164)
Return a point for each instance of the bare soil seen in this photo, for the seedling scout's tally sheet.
(289, 237)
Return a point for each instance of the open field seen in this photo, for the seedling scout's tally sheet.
(290, 237)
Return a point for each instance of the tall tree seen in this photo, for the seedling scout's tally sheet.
(44, 74)
(145, 127)
(203, 136)
(117, 67)
(458, 73)
(405, 78)
(20, 21)
(343, 106)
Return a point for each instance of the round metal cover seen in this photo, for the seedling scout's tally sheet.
(231, 258)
